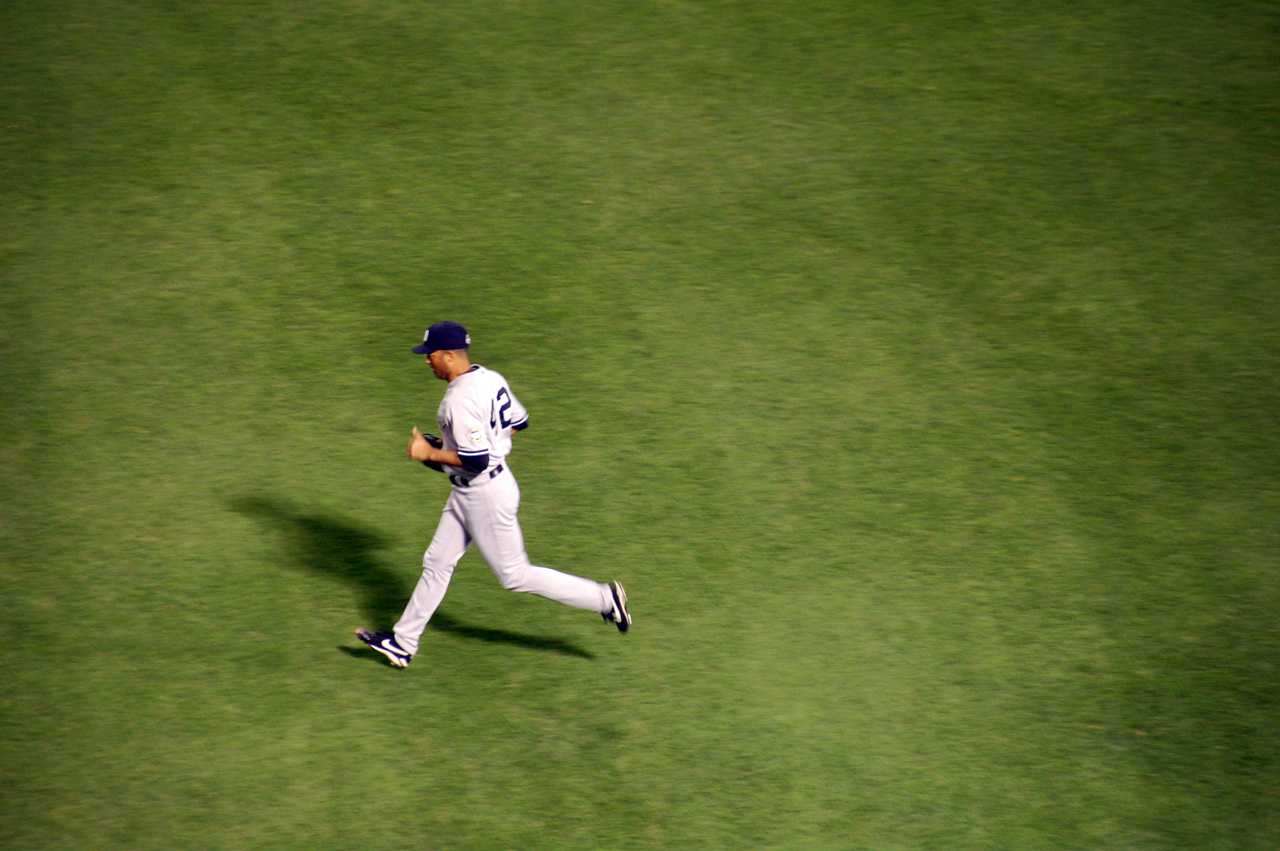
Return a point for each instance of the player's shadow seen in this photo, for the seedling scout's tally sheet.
(334, 547)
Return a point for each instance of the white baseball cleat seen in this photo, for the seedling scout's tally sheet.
(619, 616)
(385, 643)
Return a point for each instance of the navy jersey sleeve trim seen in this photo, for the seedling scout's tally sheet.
(521, 425)
(474, 461)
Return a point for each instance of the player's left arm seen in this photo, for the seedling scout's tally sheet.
(420, 449)
(468, 434)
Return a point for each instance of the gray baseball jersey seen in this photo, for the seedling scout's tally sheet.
(477, 417)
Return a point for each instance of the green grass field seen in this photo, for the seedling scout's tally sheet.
(915, 365)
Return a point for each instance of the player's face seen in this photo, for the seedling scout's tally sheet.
(437, 361)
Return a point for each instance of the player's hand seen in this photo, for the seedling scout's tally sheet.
(419, 447)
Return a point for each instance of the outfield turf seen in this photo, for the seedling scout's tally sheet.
(915, 365)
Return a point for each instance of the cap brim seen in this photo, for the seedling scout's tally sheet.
(422, 350)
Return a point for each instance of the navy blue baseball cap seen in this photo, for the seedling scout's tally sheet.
(443, 335)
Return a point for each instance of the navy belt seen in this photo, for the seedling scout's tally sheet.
(459, 482)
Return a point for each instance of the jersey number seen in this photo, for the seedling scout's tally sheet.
(498, 413)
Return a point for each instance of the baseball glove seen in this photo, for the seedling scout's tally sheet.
(438, 444)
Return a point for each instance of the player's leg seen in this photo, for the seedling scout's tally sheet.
(492, 517)
(447, 547)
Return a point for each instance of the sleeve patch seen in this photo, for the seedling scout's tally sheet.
(475, 436)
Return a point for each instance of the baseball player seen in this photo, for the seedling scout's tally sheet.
(477, 418)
